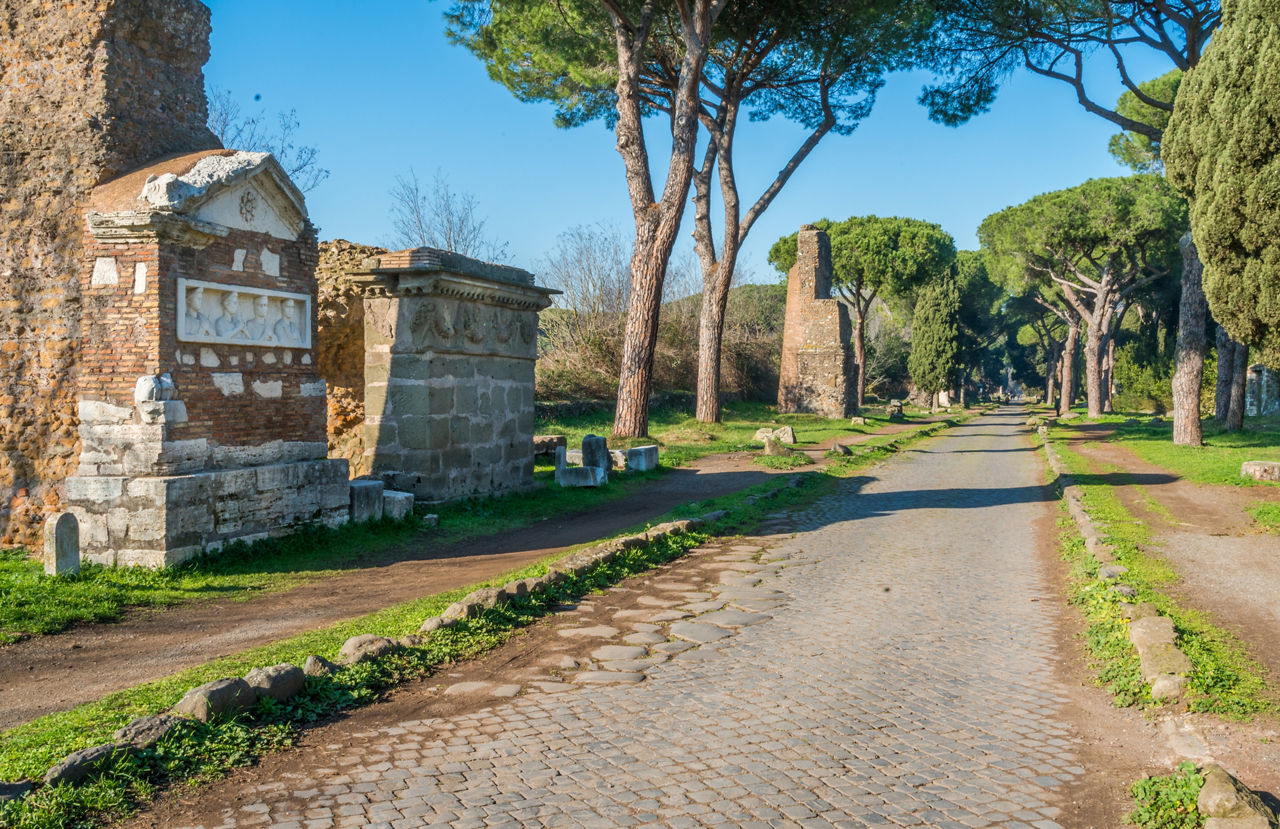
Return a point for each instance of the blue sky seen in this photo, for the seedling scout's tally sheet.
(378, 89)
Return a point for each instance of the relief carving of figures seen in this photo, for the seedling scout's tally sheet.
(230, 324)
(287, 330)
(214, 313)
(195, 323)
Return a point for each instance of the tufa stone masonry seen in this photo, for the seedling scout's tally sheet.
(818, 373)
(449, 349)
(92, 89)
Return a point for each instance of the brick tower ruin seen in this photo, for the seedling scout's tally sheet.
(93, 88)
(818, 373)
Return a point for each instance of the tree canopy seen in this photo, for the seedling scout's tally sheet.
(1222, 149)
(1086, 250)
(1139, 151)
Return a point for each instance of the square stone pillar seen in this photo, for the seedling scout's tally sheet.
(450, 346)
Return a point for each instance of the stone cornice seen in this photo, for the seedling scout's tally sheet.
(504, 294)
(133, 226)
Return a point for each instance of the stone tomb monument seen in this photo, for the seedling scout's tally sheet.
(202, 416)
(818, 373)
(450, 344)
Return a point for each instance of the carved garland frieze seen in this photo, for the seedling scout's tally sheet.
(464, 324)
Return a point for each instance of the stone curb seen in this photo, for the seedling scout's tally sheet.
(1164, 666)
(1224, 801)
(280, 682)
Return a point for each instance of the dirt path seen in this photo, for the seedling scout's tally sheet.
(53, 673)
(1226, 565)
(883, 676)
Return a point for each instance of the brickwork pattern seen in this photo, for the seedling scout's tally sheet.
(817, 372)
(899, 682)
(92, 90)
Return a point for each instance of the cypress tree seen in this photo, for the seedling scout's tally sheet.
(1222, 148)
(935, 336)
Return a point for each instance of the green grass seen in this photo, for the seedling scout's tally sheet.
(1266, 514)
(794, 460)
(1169, 801)
(1224, 680)
(1217, 462)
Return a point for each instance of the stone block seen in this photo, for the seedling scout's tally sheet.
(61, 545)
(80, 764)
(222, 696)
(642, 458)
(318, 666)
(279, 682)
(1261, 470)
(96, 411)
(1223, 797)
(1151, 631)
(580, 476)
(366, 500)
(145, 732)
(94, 490)
(595, 453)
(362, 648)
(397, 505)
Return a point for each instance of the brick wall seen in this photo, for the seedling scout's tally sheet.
(817, 373)
(92, 88)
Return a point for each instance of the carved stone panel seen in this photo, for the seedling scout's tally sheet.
(239, 315)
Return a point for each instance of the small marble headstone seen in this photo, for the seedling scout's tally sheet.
(61, 545)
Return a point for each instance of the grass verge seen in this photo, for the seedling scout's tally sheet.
(1216, 462)
(1224, 680)
(1168, 801)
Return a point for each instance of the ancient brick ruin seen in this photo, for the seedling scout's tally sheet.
(818, 373)
(449, 344)
(202, 413)
(92, 90)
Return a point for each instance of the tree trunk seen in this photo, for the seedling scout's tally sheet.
(1226, 365)
(1068, 366)
(1093, 353)
(1050, 374)
(715, 299)
(1189, 355)
(860, 357)
(1239, 379)
(1108, 376)
(657, 220)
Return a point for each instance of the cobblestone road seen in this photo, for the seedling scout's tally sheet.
(902, 677)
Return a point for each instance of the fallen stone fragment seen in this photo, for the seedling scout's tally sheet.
(430, 625)
(145, 732)
(318, 666)
(607, 677)
(505, 691)
(697, 632)
(279, 682)
(1112, 572)
(1152, 631)
(80, 764)
(1167, 686)
(364, 647)
(15, 791)
(456, 612)
(1226, 799)
(1124, 590)
(1261, 470)
(222, 696)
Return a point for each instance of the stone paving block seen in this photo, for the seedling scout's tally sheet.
(733, 618)
(817, 718)
(698, 632)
